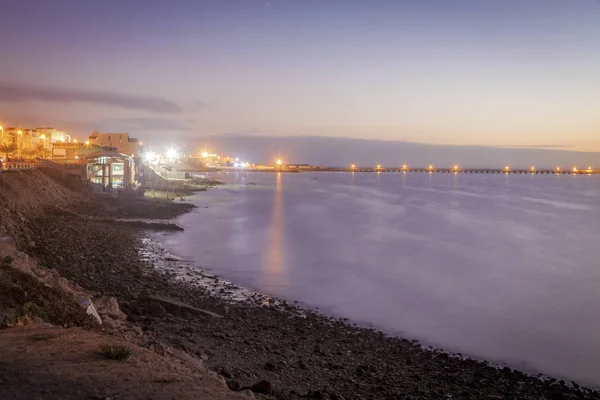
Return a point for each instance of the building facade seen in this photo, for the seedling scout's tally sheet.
(121, 142)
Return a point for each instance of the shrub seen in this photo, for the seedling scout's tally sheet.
(114, 352)
(28, 312)
(264, 396)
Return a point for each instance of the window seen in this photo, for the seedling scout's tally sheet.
(117, 169)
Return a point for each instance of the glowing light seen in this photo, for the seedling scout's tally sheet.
(74, 140)
(455, 167)
(87, 142)
(507, 168)
(589, 168)
(237, 159)
(558, 168)
(353, 166)
(430, 167)
(171, 153)
(149, 157)
(204, 154)
(574, 169)
(279, 162)
(41, 136)
(378, 166)
(532, 168)
(404, 166)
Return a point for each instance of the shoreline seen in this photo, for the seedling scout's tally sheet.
(184, 271)
(273, 347)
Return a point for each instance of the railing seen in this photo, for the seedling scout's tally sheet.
(169, 175)
(10, 165)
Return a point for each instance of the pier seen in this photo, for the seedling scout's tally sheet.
(453, 170)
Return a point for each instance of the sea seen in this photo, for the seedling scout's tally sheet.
(504, 268)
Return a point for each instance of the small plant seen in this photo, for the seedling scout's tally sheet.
(28, 313)
(114, 352)
(33, 310)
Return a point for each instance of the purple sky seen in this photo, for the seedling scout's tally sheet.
(480, 72)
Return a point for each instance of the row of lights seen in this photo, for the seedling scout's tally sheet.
(456, 167)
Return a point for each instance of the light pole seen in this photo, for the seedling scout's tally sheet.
(43, 137)
(21, 144)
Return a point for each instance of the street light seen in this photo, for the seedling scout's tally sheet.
(171, 153)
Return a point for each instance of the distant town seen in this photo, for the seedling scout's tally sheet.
(117, 160)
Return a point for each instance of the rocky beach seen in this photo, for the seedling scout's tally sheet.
(255, 343)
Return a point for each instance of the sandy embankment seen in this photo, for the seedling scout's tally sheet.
(285, 352)
(59, 359)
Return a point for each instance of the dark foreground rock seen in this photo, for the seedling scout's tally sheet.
(276, 351)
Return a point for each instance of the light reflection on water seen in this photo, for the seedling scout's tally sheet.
(499, 267)
(274, 249)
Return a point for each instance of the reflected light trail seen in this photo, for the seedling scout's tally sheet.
(274, 253)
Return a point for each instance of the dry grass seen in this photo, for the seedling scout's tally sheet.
(114, 352)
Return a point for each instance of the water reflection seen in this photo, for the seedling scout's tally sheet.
(274, 251)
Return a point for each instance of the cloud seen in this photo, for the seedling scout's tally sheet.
(197, 105)
(540, 146)
(13, 93)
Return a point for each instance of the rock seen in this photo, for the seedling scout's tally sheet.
(262, 387)
(302, 365)
(108, 306)
(233, 384)
(225, 373)
(156, 310)
(269, 366)
(319, 395)
(247, 393)
(111, 323)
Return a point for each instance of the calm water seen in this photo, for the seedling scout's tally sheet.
(505, 268)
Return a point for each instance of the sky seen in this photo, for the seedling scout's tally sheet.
(500, 73)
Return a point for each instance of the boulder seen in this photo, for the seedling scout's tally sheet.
(108, 306)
